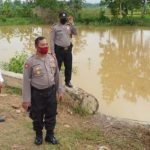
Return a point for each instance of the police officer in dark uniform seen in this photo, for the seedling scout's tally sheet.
(61, 44)
(40, 85)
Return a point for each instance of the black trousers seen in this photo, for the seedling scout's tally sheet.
(65, 56)
(43, 109)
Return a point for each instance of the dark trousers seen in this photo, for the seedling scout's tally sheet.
(43, 109)
(65, 56)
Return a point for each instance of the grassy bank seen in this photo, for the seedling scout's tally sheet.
(136, 21)
(84, 19)
(91, 16)
(20, 21)
(73, 131)
(95, 16)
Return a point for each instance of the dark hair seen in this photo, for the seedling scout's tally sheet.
(38, 39)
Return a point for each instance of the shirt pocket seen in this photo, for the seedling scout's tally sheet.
(37, 71)
(59, 34)
(53, 67)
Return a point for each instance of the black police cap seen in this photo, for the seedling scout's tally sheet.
(62, 15)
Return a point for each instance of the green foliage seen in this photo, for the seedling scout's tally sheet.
(76, 6)
(6, 9)
(20, 21)
(79, 110)
(14, 10)
(13, 90)
(52, 4)
(16, 63)
(24, 11)
(91, 134)
(102, 17)
(124, 21)
(122, 7)
(114, 8)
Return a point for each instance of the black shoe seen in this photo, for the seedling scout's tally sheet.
(51, 139)
(69, 85)
(2, 119)
(38, 140)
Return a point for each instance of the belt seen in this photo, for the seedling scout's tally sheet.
(64, 48)
(43, 90)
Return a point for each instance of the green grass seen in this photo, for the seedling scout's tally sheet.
(13, 90)
(16, 63)
(97, 16)
(80, 111)
(20, 21)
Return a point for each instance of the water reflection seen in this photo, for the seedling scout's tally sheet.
(112, 63)
(80, 41)
(125, 66)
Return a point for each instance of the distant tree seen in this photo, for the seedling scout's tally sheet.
(121, 7)
(7, 9)
(76, 6)
(52, 4)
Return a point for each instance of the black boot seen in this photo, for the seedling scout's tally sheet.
(39, 138)
(68, 84)
(50, 138)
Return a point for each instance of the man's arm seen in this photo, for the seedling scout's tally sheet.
(72, 26)
(58, 82)
(73, 30)
(26, 90)
(52, 39)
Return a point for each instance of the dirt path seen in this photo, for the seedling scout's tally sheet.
(73, 131)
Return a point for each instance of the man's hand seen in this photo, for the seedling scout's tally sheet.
(1, 85)
(25, 105)
(60, 96)
(70, 20)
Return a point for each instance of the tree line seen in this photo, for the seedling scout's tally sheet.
(123, 7)
(48, 10)
(9, 8)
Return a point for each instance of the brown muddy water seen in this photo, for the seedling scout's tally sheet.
(112, 63)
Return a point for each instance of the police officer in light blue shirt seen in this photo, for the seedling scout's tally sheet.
(61, 44)
(40, 85)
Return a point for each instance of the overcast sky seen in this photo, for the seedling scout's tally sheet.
(92, 1)
(88, 1)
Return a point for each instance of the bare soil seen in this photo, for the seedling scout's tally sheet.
(75, 132)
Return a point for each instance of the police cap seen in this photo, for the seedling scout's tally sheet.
(63, 15)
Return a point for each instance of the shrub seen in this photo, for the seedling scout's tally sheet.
(16, 63)
(102, 17)
(124, 21)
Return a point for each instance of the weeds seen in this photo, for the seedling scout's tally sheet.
(81, 111)
(13, 90)
(16, 63)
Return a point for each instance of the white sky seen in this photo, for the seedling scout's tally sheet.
(88, 1)
(92, 1)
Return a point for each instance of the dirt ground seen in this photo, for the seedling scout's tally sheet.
(75, 132)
